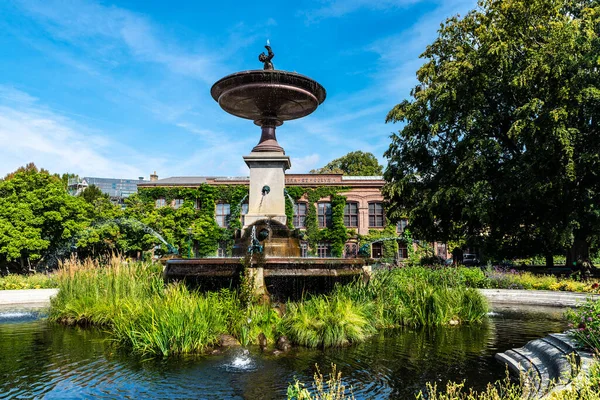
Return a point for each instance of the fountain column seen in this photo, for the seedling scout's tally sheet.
(266, 199)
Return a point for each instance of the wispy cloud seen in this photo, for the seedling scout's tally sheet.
(340, 8)
(114, 34)
(31, 132)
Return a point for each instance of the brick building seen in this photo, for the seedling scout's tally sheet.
(364, 212)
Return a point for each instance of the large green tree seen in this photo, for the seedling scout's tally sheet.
(37, 216)
(501, 142)
(355, 163)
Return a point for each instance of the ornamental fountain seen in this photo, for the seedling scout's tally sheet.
(269, 97)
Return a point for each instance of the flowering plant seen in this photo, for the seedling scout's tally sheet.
(584, 322)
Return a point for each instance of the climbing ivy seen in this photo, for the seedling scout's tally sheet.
(390, 247)
(337, 234)
(204, 229)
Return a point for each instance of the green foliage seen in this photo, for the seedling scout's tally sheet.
(500, 141)
(173, 322)
(92, 193)
(328, 322)
(418, 296)
(37, 215)
(35, 281)
(173, 224)
(330, 389)
(91, 294)
(390, 247)
(585, 323)
(493, 278)
(355, 163)
(337, 234)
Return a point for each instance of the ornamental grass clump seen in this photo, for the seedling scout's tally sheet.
(90, 293)
(418, 296)
(585, 324)
(328, 321)
(174, 322)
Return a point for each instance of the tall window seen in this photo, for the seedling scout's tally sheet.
(222, 214)
(377, 250)
(197, 204)
(323, 250)
(375, 215)
(402, 250)
(160, 202)
(351, 215)
(402, 224)
(244, 211)
(300, 215)
(324, 215)
(177, 203)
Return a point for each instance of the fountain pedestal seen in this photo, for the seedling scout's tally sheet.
(266, 199)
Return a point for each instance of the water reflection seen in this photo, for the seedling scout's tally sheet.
(42, 359)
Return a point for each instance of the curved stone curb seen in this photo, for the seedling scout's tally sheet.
(547, 361)
(536, 297)
(27, 296)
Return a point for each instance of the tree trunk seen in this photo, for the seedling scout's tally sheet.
(549, 261)
(22, 264)
(578, 253)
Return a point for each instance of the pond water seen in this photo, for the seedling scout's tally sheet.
(41, 359)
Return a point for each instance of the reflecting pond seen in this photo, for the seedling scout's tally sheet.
(38, 359)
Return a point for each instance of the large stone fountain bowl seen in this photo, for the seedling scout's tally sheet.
(268, 95)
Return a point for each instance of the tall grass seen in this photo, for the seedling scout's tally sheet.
(173, 322)
(328, 321)
(93, 294)
(418, 296)
(142, 314)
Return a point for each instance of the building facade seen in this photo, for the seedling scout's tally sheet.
(364, 211)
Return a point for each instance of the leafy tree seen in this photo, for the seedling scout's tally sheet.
(92, 194)
(355, 163)
(37, 216)
(501, 143)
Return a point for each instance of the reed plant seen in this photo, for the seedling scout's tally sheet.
(174, 322)
(90, 293)
(331, 388)
(328, 321)
(418, 296)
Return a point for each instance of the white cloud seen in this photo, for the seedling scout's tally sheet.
(339, 8)
(301, 165)
(32, 133)
(111, 31)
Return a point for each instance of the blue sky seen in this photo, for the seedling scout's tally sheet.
(120, 89)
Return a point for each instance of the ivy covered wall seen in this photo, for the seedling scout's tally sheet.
(173, 224)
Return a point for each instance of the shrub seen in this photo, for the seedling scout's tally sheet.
(35, 281)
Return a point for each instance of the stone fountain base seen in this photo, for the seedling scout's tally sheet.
(273, 274)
